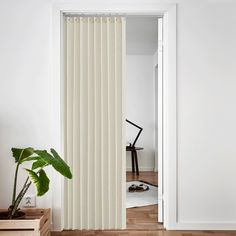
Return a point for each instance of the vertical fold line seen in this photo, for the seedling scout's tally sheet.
(65, 124)
(76, 120)
(119, 119)
(67, 117)
(78, 223)
(112, 128)
(115, 115)
(88, 124)
(73, 128)
(80, 124)
(94, 120)
(108, 119)
(69, 112)
(102, 131)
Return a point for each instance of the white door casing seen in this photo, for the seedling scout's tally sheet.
(160, 119)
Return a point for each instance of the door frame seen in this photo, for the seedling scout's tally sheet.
(158, 76)
(168, 12)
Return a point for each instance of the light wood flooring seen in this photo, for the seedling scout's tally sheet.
(144, 233)
(148, 176)
(143, 218)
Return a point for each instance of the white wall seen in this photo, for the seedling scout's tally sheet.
(140, 95)
(206, 114)
(206, 72)
(26, 86)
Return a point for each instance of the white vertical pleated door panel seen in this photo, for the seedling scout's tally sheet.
(94, 122)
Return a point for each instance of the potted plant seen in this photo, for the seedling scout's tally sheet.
(36, 175)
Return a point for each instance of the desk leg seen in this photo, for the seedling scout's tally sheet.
(132, 156)
(136, 162)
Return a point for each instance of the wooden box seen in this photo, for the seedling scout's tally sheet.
(35, 223)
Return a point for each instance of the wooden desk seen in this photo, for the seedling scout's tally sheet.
(134, 157)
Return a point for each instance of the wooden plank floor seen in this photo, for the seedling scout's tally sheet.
(143, 218)
(148, 176)
(144, 233)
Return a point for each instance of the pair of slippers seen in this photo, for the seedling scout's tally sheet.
(138, 188)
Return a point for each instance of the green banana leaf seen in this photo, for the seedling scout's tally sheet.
(40, 181)
(21, 154)
(39, 163)
(56, 161)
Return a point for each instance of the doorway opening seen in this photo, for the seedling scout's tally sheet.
(107, 216)
(144, 61)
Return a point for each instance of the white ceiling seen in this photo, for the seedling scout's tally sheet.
(141, 34)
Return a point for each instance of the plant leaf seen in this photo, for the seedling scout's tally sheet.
(21, 154)
(57, 163)
(39, 163)
(33, 158)
(34, 178)
(41, 181)
(44, 180)
(66, 167)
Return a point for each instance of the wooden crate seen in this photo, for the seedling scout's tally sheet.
(36, 223)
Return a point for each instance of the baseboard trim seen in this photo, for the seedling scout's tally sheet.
(203, 226)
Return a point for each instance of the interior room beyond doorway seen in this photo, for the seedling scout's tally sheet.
(141, 110)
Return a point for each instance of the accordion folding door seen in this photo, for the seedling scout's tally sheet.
(94, 58)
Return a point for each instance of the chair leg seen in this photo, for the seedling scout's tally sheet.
(132, 160)
(136, 162)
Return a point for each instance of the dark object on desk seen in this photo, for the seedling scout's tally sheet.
(133, 149)
(140, 130)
